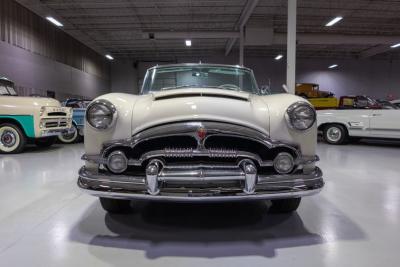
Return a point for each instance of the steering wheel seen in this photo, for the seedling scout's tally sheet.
(229, 86)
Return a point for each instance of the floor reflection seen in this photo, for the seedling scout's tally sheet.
(201, 230)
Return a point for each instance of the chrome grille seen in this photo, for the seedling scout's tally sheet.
(56, 114)
(180, 142)
(55, 124)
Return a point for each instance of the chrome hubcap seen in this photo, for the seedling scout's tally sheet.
(334, 134)
(8, 139)
(71, 135)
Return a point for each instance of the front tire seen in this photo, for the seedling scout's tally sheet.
(113, 205)
(12, 139)
(69, 138)
(45, 141)
(284, 205)
(335, 134)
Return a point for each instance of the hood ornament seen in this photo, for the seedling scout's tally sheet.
(201, 132)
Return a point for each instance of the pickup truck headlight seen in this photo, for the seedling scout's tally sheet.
(101, 114)
(301, 116)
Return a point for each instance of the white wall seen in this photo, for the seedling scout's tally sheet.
(37, 74)
(377, 78)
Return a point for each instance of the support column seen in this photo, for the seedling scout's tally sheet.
(241, 46)
(291, 46)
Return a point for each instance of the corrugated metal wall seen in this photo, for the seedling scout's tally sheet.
(21, 27)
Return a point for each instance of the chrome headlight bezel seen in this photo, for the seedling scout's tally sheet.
(107, 105)
(293, 117)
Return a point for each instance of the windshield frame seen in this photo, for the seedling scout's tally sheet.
(9, 86)
(251, 73)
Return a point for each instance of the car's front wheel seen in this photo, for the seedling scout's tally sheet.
(284, 205)
(12, 139)
(335, 134)
(113, 205)
(69, 138)
(45, 141)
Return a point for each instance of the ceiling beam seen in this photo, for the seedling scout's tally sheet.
(375, 50)
(337, 39)
(190, 35)
(40, 9)
(244, 17)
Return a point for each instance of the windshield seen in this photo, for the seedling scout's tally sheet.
(222, 77)
(7, 90)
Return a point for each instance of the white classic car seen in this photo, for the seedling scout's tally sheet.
(200, 132)
(359, 117)
(24, 119)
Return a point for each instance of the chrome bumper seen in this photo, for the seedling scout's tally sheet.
(202, 185)
(57, 132)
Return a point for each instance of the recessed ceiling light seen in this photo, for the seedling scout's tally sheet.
(54, 21)
(188, 42)
(109, 57)
(278, 57)
(333, 66)
(333, 21)
(395, 45)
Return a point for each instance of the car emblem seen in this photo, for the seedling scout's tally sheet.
(201, 133)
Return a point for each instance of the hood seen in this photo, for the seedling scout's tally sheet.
(200, 104)
(33, 101)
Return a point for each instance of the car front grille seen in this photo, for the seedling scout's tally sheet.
(51, 114)
(56, 124)
(223, 144)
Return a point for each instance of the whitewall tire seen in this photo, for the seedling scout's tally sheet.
(69, 138)
(12, 139)
(335, 134)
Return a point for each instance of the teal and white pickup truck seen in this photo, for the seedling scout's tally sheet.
(29, 119)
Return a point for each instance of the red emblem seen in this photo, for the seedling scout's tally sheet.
(201, 132)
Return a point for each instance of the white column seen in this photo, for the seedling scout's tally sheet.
(291, 46)
(241, 46)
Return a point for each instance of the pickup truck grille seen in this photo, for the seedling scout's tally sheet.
(55, 124)
(50, 114)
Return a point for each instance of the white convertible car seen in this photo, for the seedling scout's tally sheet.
(361, 117)
(200, 132)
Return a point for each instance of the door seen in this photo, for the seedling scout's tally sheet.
(385, 123)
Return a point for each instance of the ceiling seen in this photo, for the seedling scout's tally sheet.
(122, 27)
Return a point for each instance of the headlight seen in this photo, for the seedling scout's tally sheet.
(301, 116)
(101, 114)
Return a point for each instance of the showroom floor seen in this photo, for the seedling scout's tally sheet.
(46, 221)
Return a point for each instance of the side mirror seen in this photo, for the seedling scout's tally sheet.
(265, 90)
(285, 88)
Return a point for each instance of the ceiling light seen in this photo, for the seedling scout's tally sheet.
(188, 42)
(333, 21)
(333, 66)
(109, 57)
(395, 45)
(278, 57)
(54, 21)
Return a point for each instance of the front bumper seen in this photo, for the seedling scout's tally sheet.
(203, 187)
(56, 132)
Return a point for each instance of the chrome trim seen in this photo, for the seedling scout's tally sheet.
(120, 153)
(190, 129)
(109, 105)
(289, 114)
(301, 160)
(267, 187)
(291, 159)
(152, 171)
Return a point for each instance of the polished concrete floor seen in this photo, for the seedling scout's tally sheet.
(46, 221)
